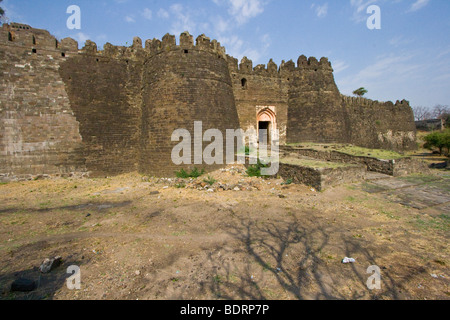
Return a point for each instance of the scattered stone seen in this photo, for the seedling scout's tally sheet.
(348, 260)
(23, 285)
(88, 215)
(50, 264)
(281, 196)
(138, 273)
(154, 193)
(435, 276)
(237, 189)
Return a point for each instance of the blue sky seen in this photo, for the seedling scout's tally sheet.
(408, 58)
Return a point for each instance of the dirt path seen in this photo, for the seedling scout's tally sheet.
(139, 238)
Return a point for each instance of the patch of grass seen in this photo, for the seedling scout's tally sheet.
(211, 181)
(389, 215)
(316, 164)
(195, 173)
(287, 182)
(181, 185)
(441, 222)
(217, 279)
(351, 150)
(419, 178)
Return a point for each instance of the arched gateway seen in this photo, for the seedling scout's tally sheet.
(267, 124)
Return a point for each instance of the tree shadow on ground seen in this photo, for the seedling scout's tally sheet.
(293, 255)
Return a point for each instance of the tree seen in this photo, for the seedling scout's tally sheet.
(439, 111)
(422, 113)
(2, 12)
(438, 140)
(360, 92)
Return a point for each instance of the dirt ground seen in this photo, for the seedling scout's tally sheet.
(135, 237)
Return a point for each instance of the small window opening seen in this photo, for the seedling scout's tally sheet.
(34, 40)
(186, 51)
(10, 37)
(244, 83)
(63, 54)
(34, 50)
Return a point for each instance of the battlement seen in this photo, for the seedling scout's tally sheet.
(24, 36)
(155, 46)
(271, 69)
(371, 103)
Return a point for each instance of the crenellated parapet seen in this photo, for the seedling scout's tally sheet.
(245, 67)
(360, 101)
(24, 37)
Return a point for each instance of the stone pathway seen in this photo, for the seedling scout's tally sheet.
(417, 191)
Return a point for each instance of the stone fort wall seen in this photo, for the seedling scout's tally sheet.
(113, 111)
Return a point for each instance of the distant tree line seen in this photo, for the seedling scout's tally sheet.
(437, 112)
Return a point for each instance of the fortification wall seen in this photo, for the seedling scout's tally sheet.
(319, 113)
(105, 97)
(114, 111)
(183, 84)
(39, 133)
(380, 125)
(315, 112)
(258, 88)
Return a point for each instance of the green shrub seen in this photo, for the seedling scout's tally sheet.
(210, 181)
(288, 182)
(439, 140)
(255, 170)
(194, 173)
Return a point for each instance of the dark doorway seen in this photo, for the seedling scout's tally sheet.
(264, 132)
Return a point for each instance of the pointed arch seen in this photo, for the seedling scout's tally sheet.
(266, 120)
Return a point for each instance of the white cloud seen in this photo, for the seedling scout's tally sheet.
(339, 66)
(360, 7)
(129, 19)
(419, 4)
(242, 10)
(81, 38)
(147, 14)
(321, 11)
(183, 20)
(163, 14)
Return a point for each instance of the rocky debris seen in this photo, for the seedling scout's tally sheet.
(50, 264)
(23, 285)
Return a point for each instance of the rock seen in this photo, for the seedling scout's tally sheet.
(281, 196)
(50, 264)
(347, 260)
(210, 190)
(23, 285)
(154, 193)
(237, 189)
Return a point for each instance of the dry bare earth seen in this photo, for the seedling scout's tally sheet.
(278, 242)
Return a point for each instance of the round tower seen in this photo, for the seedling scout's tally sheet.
(183, 84)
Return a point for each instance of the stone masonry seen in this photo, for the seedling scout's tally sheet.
(64, 110)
